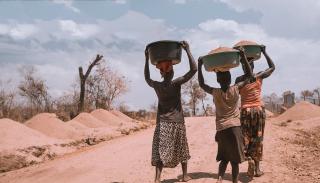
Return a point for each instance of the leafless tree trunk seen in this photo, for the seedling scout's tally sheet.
(203, 107)
(6, 103)
(305, 94)
(83, 78)
(195, 94)
(105, 86)
(189, 89)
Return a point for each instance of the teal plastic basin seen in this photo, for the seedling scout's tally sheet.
(221, 61)
(253, 52)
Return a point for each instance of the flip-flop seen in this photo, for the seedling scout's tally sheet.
(260, 174)
(182, 180)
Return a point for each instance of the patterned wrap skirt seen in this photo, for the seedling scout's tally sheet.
(230, 145)
(170, 145)
(253, 124)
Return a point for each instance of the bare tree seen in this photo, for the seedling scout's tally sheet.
(317, 91)
(185, 106)
(105, 86)
(123, 108)
(83, 78)
(195, 94)
(271, 101)
(6, 100)
(306, 93)
(67, 105)
(203, 98)
(35, 90)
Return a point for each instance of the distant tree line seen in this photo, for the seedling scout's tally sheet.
(99, 87)
(274, 102)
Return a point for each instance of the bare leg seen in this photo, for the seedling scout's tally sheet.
(258, 172)
(185, 176)
(222, 170)
(158, 173)
(235, 172)
(251, 168)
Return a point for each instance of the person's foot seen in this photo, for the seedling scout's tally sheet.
(219, 180)
(258, 173)
(185, 178)
(157, 181)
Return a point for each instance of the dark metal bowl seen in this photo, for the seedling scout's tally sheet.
(165, 50)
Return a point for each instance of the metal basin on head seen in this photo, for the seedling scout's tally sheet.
(165, 50)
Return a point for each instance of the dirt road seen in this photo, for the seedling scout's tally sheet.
(127, 159)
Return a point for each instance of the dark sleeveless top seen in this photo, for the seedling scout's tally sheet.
(169, 102)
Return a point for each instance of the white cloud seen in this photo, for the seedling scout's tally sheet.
(22, 31)
(284, 18)
(293, 57)
(231, 28)
(61, 46)
(81, 31)
(4, 29)
(120, 1)
(180, 1)
(58, 47)
(18, 31)
(68, 4)
(218, 25)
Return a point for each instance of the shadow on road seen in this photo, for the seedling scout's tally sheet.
(202, 175)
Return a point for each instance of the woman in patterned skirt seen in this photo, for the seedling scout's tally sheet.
(229, 135)
(170, 146)
(253, 116)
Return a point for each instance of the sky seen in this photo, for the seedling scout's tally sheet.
(59, 36)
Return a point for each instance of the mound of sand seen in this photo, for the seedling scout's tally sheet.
(222, 49)
(113, 121)
(245, 42)
(88, 120)
(107, 117)
(122, 116)
(131, 124)
(300, 111)
(50, 125)
(15, 135)
(76, 125)
(102, 133)
(269, 114)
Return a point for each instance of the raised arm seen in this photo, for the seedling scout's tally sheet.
(204, 86)
(192, 64)
(269, 71)
(248, 74)
(147, 71)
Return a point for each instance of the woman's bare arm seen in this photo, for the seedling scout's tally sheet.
(192, 64)
(248, 74)
(269, 71)
(204, 86)
(147, 71)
